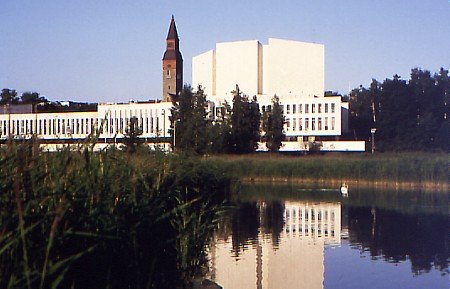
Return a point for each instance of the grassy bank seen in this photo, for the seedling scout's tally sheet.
(418, 170)
(79, 219)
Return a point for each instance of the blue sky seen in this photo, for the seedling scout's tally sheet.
(111, 50)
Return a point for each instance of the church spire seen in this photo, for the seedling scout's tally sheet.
(172, 65)
(173, 34)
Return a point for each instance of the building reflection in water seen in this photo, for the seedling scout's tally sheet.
(283, 249)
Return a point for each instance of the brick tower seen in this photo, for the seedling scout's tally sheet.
(172, 65)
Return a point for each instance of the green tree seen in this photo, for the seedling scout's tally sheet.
(32, 98)
(131, 139)
(364, 109)
(273, 121)
(245, 122)
(8, 96)
(220, 132)
(189, 121)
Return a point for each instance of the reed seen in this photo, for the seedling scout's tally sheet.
(84, 219)
(418, 168)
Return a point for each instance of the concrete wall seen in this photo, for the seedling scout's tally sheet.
(282, 67)
(237, 63)
(294, 68)
(204, 67)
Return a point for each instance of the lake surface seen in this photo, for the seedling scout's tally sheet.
(281, 236)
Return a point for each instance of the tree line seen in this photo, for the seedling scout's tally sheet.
(236, 129)
(10, 96)
(407, 114)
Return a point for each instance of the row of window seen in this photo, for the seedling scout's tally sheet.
(310, 124)
(304, 214)
(305, 108)
(79, 126)
(306, 231)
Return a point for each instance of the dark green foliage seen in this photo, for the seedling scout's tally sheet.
(408, 115)
(8, 96)
(364, 108)
(189, 121)
(245, 122)
(131, 138)
(79, 219)
(273, 121)
(32, 98)
(220, 133)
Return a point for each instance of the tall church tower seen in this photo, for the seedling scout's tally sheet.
(172, 65)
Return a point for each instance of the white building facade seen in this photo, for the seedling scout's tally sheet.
(292, 70)
(109, 123)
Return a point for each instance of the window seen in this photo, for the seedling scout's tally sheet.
(306, 124)
(300, 108)
(263, 108)
(288, 125)
(326, 123)
(294, 106)
(332, 123)
(300, 124)
(313, 124)
(313, 109)
(319, 108)
(319, 123)
(306, 108)
(332, 107)
(288, 109)
(326, 107)
(294, 122)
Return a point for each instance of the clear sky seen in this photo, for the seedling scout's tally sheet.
(111, 50)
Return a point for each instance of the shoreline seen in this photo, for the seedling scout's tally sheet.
(425, 186)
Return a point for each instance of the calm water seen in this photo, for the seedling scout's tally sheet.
(292, 237)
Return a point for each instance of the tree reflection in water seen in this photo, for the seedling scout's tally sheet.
(421, 238)
(388, 230)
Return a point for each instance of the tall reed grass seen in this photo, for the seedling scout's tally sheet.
(84, 219)
(418, 167)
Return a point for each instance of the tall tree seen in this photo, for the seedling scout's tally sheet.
(32, 98)
(364, 109)
(189, 121)
(245, 122)
(131, 137)
(409, 115)
(8, 96)
(220, 132)
(273, 121)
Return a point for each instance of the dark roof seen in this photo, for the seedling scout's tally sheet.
(172, 55)
(173, 34)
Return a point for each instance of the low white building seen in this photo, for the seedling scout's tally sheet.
(109, 123)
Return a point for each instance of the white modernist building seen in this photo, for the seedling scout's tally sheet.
(292, 70)
(109, 123)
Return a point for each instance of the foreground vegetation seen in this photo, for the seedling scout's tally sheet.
(420, 169)
(105, 220)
